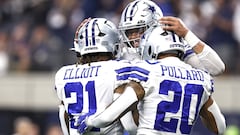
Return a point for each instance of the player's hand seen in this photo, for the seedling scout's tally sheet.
(81, 25)
(84, 22)
(82, 128)
(81, 124)
(175, 24)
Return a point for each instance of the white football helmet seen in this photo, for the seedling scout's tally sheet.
(97, 35)
(156, 41)
(138, 15)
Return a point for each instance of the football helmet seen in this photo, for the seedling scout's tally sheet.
(156, 41)
(138, 15)
(97, 35)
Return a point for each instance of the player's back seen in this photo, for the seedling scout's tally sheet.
(174, 95)
(88, 89)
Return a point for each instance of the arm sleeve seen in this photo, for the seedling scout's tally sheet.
(127, 120)
(62, 119)
(219, 118)
(194, 61)
(211, 61)
(128, 123)
(114, 110)
(59, 84)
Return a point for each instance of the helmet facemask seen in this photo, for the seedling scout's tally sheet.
(136, 18)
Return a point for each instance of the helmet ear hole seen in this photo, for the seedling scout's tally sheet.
(149, 50)
(116, 50)
(81, 37)
(117, 47)
(101, 34)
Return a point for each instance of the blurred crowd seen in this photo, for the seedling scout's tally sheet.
(35, 35)
(25, 126)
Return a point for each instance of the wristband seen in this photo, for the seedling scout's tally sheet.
(191, 39)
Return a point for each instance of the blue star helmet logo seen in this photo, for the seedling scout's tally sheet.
(143, 36)
(152, 8)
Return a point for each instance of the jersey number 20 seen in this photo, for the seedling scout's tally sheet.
(174, 106)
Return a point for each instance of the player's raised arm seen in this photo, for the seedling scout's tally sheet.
(206, 55)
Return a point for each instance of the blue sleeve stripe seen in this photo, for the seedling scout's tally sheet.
(123, 70)
(122, 77)
(141, 70)
(138, 77)
(188, 52)
(126, 72)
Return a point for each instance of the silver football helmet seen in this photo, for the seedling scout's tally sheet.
(156, 41)
(97, 35)
(136, 18)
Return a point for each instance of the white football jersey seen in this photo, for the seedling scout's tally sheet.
(174, 95)
(88, 89)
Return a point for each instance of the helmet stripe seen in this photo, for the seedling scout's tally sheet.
(86, 32)
(180, 39)
(131, 12)
(125, 13)
(93, 32)
(173, 36)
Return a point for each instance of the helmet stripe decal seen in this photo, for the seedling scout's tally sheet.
(86, 32)
(93, 32)
(125, 14)
(131, 12)
(173, 36)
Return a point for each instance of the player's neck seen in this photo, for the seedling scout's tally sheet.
(166, 55)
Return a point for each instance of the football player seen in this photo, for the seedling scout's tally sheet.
(171, 93)
(140, 15)
(87, 88)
